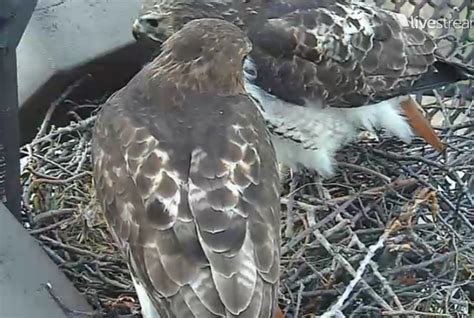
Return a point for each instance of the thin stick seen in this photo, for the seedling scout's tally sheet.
(336, 308)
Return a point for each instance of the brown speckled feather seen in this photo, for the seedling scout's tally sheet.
(189, 185)
(339, 55)
(328, 52)
(322, 70)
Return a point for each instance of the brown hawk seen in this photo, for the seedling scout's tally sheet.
(187, 177)
(322, 70)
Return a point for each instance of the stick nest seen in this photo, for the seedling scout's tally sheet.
(390, 234)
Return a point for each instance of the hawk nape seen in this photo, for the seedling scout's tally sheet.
(187, 177)
(323, 69)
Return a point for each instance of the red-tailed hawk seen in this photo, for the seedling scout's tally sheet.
(322, 69)
(187, 177)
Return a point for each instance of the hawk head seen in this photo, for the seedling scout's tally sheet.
(205, 55)
(159, 19)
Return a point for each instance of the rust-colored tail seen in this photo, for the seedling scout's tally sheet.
(420, 124)
(278, 313)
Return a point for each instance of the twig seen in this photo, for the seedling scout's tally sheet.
(111, 281)
(298, 300)
(67, 311)
(64, 130)
(347, 266)
(55, 104)
(49, 227)
(290, 204)
(336, 308)
(364, 169)
(430, 262)
(71, 248)
(381, 278)
(412, 313)
(45, 216)
(65, 181)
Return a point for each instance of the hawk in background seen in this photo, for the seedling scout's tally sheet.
(322, 70)
(187, 177)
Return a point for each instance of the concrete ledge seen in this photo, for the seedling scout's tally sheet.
(67, 40)
(24, 269)
(62, 35)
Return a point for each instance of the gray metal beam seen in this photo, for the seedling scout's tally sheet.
(14, 16)
(25, 269)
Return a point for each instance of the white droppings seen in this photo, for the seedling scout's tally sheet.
(23, 163)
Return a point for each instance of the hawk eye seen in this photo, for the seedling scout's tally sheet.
(152, 22)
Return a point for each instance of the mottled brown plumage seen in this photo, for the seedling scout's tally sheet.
(347, 54)
(187, 177)
(321, 69)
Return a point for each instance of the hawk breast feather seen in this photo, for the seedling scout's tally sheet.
(194, 209)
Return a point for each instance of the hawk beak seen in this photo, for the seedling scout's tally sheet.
(137, 30)
(420, 124)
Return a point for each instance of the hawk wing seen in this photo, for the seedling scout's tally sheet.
(343, 54)
(200, 228)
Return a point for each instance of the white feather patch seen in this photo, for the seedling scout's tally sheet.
(148, 310)
(324, 130)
